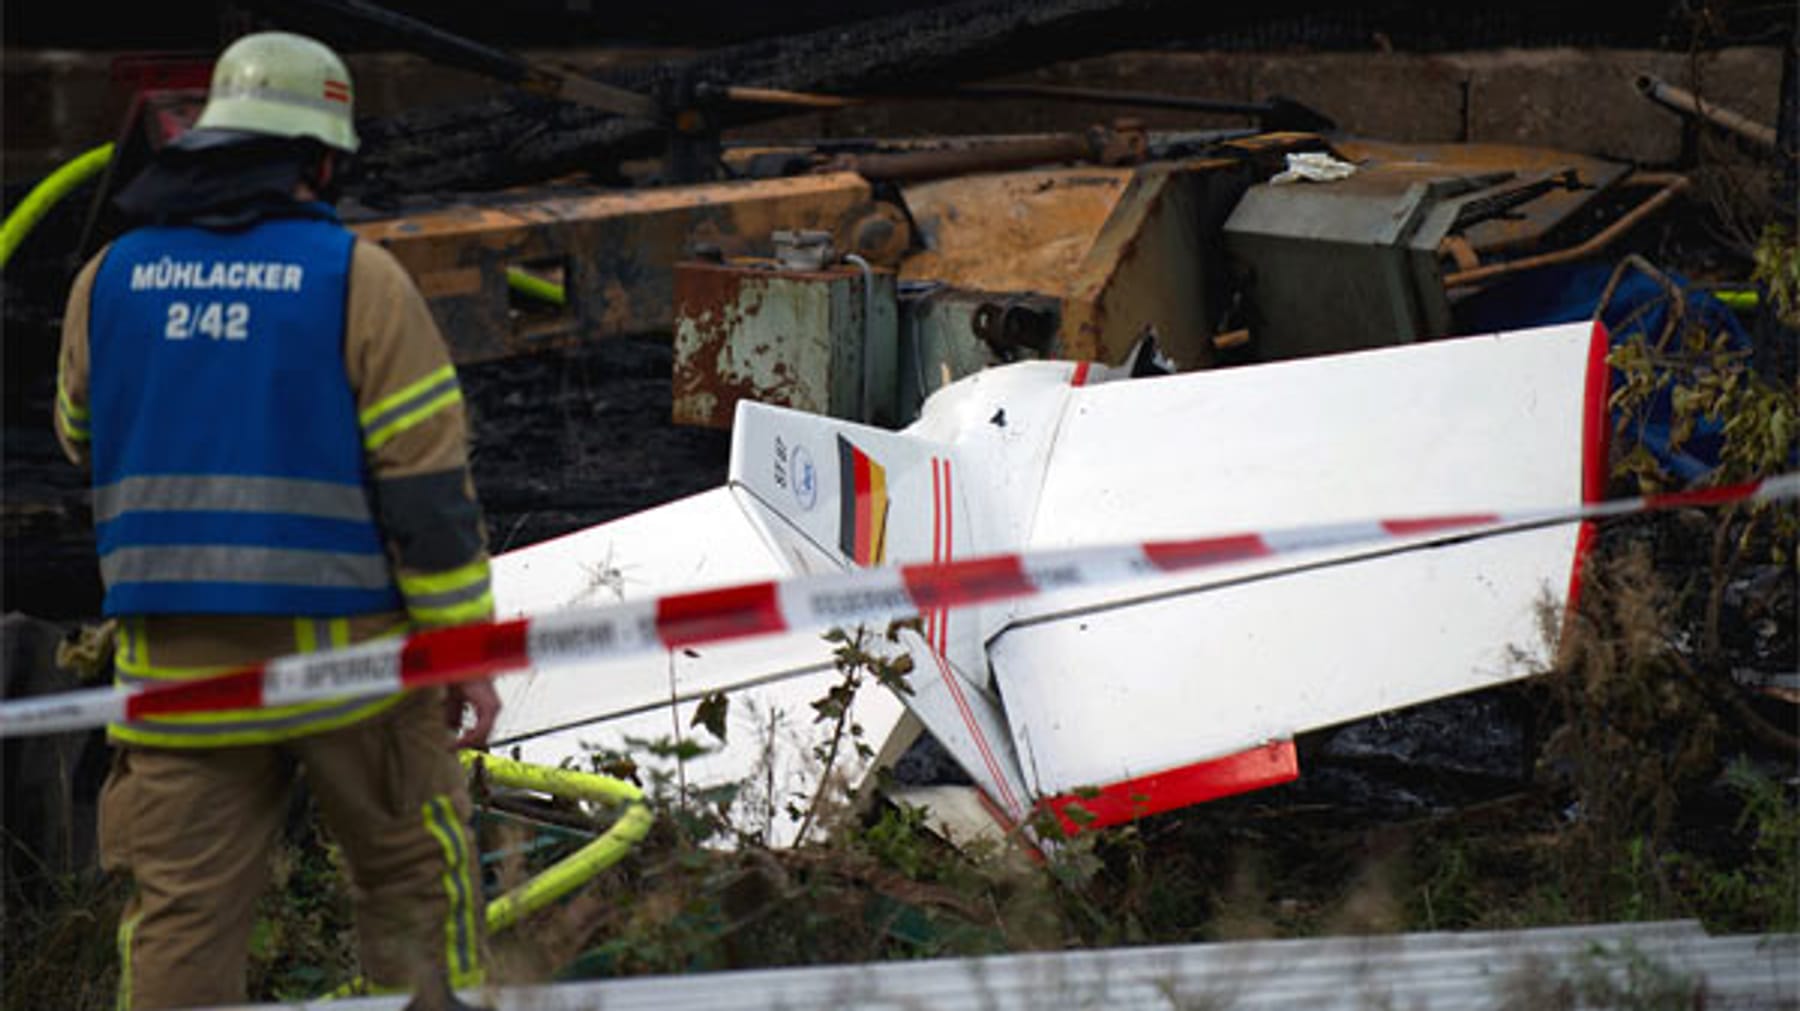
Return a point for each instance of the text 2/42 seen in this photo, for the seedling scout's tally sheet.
(218, 320)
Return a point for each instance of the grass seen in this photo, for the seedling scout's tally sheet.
(59, 948)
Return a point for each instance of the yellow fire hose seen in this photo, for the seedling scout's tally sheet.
(579, 867)
(47, 194)
(60, 183)
(1738, 299)
(572, 871)
(533, 286)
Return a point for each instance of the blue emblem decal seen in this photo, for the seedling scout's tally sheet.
(806, 478)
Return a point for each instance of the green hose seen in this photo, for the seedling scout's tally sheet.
(576, 869)
(532, 286)
(46, 194)
(63, 181)
(572, 871)
(1743, 301)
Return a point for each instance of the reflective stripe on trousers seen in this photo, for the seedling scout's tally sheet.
(461, 941)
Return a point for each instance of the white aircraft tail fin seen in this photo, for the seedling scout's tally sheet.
(863, 495)
(870, 497)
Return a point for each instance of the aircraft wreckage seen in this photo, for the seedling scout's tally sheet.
(1144, 697)
(934, 349)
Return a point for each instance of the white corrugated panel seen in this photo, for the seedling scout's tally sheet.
(1638, 965)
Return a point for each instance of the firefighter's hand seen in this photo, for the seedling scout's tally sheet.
(479, 696)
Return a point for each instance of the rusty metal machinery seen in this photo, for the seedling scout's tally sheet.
(1380, 257)
(971, 250)
(795, 330)
(611, 254)
(1070, 245)
(979, 261)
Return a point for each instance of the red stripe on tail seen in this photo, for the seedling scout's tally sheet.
(1596, 432)
(943, 624)
(1269, 765)
(954, 687)
(1596, 418)
(936, 540)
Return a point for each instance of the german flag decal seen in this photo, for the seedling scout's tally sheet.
(862, 505)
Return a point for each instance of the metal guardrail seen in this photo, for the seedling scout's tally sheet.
(1672, 964)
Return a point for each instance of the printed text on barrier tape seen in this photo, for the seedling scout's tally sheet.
(444, 656)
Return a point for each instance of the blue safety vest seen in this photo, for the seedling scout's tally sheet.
(227, 458)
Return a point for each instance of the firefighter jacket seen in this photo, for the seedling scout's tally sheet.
(279, 458)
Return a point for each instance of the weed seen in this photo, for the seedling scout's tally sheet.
(1646, 711)
(897, 839)
(60, 952)
(1617, 977)
(858, 659)
(302, 940)
(1755, 885)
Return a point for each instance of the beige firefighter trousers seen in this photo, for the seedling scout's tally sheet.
(194, 827)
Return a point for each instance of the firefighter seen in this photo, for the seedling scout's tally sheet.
(279, 454)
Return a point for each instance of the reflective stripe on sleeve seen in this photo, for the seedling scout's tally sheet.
(471, 610)
(448, 598)
(400, 411)
(71, 416)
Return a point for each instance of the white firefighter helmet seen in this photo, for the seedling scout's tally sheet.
(282, 85)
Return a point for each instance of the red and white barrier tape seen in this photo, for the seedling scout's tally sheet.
(769, 608)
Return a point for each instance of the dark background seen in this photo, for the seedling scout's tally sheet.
(1407, 24)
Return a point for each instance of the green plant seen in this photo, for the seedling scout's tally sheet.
(1772, 818)
(897, 839)
(1777, 269)
(1632, 738)
(1615, 977)
(301, 943)
(60, 948)
(1646, 709)
(858, 659)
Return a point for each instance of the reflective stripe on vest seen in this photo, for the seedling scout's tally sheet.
(181, 493)
(134, 667)
(228, 456)
(221, 564)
